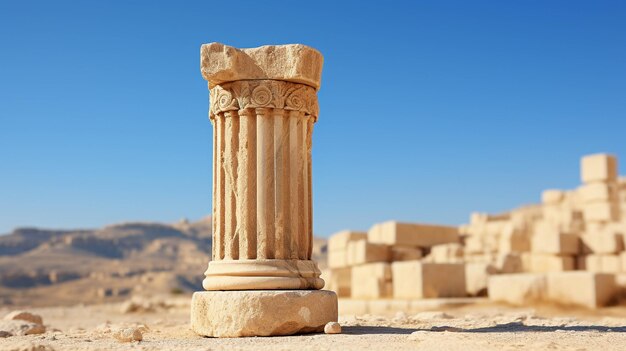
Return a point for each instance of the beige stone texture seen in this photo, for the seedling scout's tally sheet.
(552, 197)
(601, 212)
(24, 316)
(517, 289)
(338, 258)
(405, 253)
(262, 275)
(339, 241)
(477, 277)
(340, 281)
(332, 328)
(622, 257)
(446, 253)
(294, 63)
(603, 242)
(362, 251)
(128, 334)
(473, 245)
(598, 192)
(417, 280)
(540, 263)
(262, 313)
(601, 263)
(555, 243)
(598, 168)
(411, 234)
(18, 327)
(508, 263)
(591, 290)
(263, 105)
(513, 240)
(372, 281)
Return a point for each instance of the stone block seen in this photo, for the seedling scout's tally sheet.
(417, 280)
(552, 197)
(540, 263)
(371, 281)
(339, 241)
(517, 289)
(477, 277)
(411, 234)
(508, 263)
(446, 253)
(362, 251)
(602, 243)
(338, 258)
(262, 312)
(295, 63)
(591, 290)
(598, 192)
(340, 281)
(601, 212)
(513, 240)
(405, 253)
(601, 263)
(555, 243)
(474, 244)
(598, 168)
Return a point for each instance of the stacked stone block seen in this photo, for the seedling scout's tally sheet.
(365, 261)
(573, 238)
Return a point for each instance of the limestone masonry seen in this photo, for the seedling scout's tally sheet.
(569, 249)
(263, 105)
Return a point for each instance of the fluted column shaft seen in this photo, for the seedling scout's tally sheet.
(262, 212)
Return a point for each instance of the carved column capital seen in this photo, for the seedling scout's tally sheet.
(263, 93)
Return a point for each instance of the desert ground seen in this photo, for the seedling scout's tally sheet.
(482, 326)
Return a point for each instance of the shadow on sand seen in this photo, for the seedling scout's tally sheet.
(513, 327)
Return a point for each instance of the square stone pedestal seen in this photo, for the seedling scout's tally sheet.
(262, 312)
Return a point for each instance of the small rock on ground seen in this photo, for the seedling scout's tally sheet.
(332, 328)
(20, 327)
(128, 334)
(24, 316)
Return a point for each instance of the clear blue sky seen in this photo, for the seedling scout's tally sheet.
(429, 109)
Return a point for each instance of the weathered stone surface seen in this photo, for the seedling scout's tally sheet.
(517, 289)
(598, 168)
(21, 327)
(476, 277)
(24, 316)
(340, 281)
(128, 334)
(263, 105)
(262, 312)
(371, 281)
(332, 328)
(295, 63)
(540, 263)
(262, 275)
(340, 240)
(361, 251)
(412, 234)
(415, 279)
(555, 243)
(602, 243)
(585, 289)
(405, 253)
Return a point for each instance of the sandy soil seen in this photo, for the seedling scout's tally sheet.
(475, 327)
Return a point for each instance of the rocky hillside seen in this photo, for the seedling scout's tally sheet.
(46, 267)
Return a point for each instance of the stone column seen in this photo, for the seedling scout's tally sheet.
(263, 105)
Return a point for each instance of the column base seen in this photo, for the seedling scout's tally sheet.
(226, 314)
(262, 275)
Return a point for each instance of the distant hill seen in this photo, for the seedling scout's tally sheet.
(45, 267)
